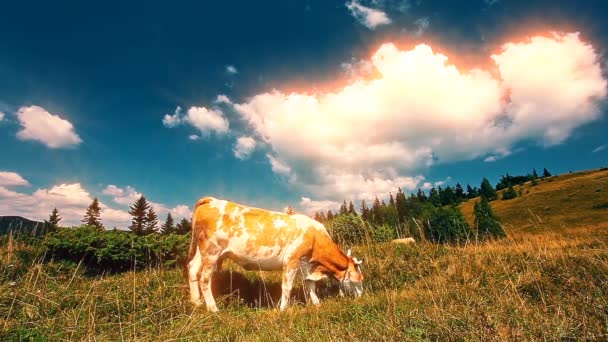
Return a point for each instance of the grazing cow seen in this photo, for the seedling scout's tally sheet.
(264, 240)
(405, 241)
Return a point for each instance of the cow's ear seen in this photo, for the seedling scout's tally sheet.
(357, 261)
(348, 253)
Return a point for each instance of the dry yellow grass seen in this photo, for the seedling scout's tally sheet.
(554, 203)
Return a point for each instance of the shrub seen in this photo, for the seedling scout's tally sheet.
(115, 251)
(348, 229)
(447, 225)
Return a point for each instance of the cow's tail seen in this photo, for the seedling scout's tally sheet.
(194, 234)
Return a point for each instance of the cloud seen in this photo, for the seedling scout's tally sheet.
(1, 116)
(128, 195)
(499, 153)
(367, 16)
(244, 146)
(310, 206)
(8, 178)
(49, 129)
(421, 24)
(70, 199)
(599, 148)
(171, 121)
(372, 136)
(201, 118)
(193, 137)
(223, 99)
(230, 69)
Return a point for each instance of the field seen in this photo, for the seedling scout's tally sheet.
(547, 280)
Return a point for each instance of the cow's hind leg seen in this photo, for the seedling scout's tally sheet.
(289, 274)
(194, 267)
(209, 265)
(310, 286)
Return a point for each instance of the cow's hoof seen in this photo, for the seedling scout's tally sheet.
(212, 309)
(196, 303)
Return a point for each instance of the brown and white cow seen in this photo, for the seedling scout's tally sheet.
(258, 239)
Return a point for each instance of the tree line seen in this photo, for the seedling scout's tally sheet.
(144, 219)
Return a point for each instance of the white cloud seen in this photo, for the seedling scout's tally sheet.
(201, 118)
(372, 136)
(171, 121)
(1, 116)
(70, 199)
(49, 129)
(599, 148)
(244, 146)
(193, 137)
(128, 195)
(421, 24)
(499, 153)
(231, 70)
(223, 99)
(310, 206)
(8, 178)
(367, 16)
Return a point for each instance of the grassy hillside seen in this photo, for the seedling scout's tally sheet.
(569, 200)
(551, 284)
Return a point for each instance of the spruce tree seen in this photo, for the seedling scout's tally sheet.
(534, 174)
(376, 211)
(290, 210)
(421, 195)
(486, 189)
(343, 208)
(509, 193)
(183, 227)
(329, 216)
(459, 193)
(351, 208)
(400, 203)
(92, 215)
(434, 197)
(151, 224)
(365, 214)
(53, 223)
(139, 211)
(168, 227)
(488, 224)
(546, 173)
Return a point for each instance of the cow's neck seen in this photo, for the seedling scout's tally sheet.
(329, 255)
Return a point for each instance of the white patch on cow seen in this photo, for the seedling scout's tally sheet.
(221, 207)
(278, 223)
(304, 222)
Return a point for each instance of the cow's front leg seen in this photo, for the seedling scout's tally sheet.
(311, 286)
(289, 274)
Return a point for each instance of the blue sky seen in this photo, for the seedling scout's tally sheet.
(300, 103)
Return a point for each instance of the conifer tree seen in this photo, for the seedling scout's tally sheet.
(421, 195)
(351, 208)
(93, 214)
(546, 173)
(139, 211)
(365, 212)
(343, 208)
(168, 227)
(290, 210)
(329, 216)
(53, 223)
(488, 224)
(509, 193)
(486, 189)
(459, 193)
(376, 211)
(434, 197)
(151, 224)
(534, 174)
(391, 201)
(183, 227)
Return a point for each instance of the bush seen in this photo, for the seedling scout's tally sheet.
(115, 251)
(509, 193)
(447, 225)
(348, 230)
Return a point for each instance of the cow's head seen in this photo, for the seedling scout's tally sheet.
(353, 278)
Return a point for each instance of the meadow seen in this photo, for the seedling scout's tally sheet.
(548, 280)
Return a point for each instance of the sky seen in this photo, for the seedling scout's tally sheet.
(301, 103)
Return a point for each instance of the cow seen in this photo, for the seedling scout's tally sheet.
(258, 239)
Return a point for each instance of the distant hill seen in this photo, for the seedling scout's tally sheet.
(565, 201)
(18, 224)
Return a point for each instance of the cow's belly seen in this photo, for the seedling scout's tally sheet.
(273, 263)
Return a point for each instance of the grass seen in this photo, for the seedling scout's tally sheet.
(546, 281)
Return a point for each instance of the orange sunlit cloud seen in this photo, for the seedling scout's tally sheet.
(371, 136)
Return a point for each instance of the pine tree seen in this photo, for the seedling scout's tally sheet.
(329, 216)
(486, 189)
(183, 227)
(151, 224)
(53, 223)
(509, 193)
(92, 215)
(168, 227)
(434, 197)
(546, 173)
(351, 208)
(488, 225)
(365, 213)
(318, 217)
(290, 210)
(421, 195)
(376, 211)
(139, 211)
(459, 193)
(391, 200)
(534, 174)
(343, 208)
